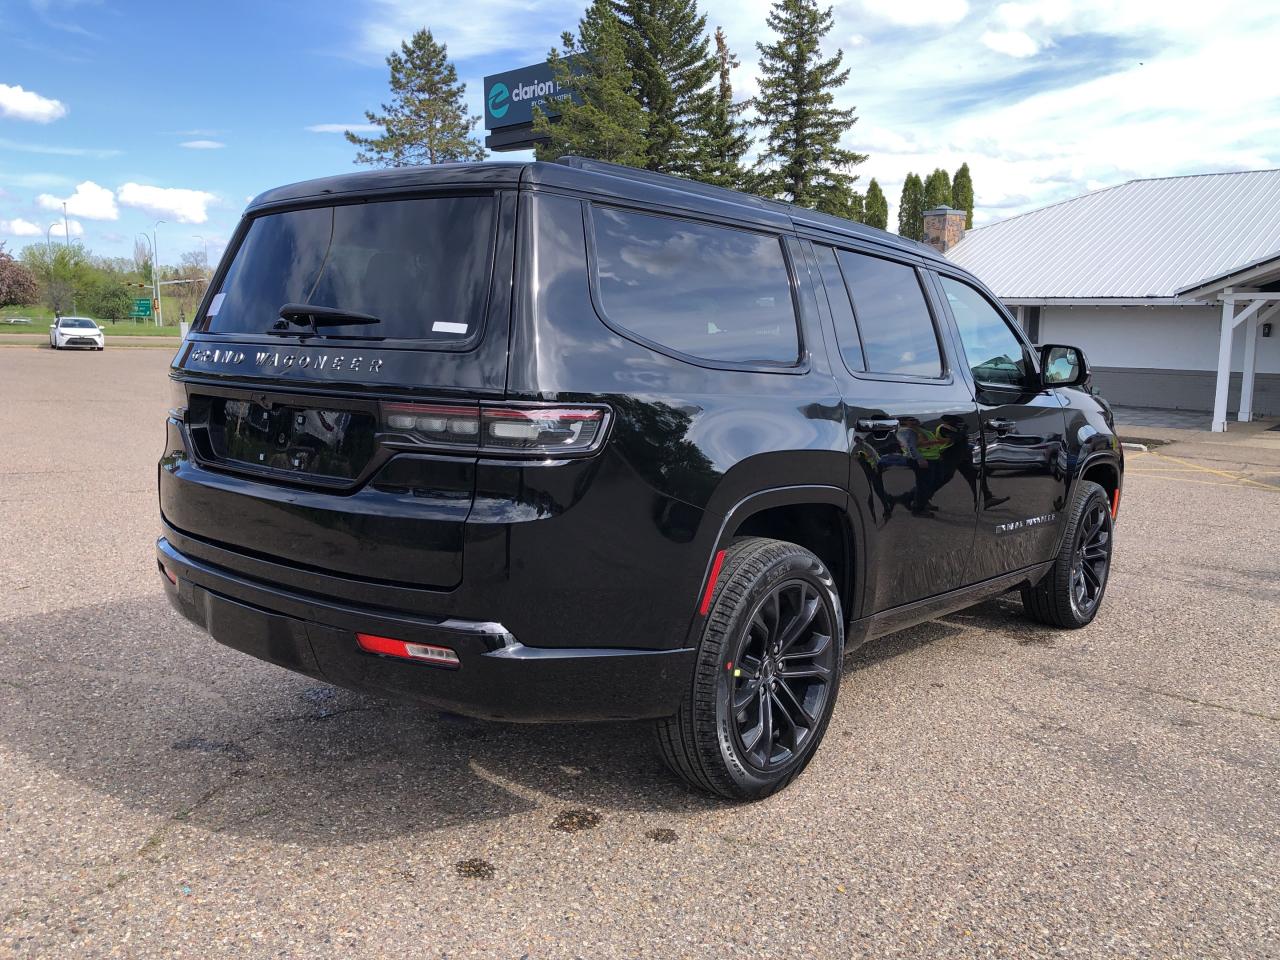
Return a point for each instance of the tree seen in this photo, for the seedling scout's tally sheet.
(726, 135)
(427, 119)
(911, 208)
(142, 259)
(877, 207)
(673, 72)
(962, 194)
(17, 284)
(600, 116)
(937, 190)
(104, 295)
(62, 270)
(802, 160)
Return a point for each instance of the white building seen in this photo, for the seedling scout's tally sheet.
(1171, 286)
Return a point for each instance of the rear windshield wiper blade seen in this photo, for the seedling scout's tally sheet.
(306, 314)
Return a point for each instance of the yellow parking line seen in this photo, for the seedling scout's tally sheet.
(1218, 473)
(1161, 476)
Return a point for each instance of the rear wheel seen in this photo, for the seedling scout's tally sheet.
(767, 674)
(1071, 593)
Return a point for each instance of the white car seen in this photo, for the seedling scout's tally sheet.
(76, 332)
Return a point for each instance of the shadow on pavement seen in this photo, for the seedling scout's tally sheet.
(128, 700)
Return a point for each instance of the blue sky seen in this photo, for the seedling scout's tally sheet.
(141, 111)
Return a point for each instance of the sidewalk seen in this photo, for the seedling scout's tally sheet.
(1249, 450)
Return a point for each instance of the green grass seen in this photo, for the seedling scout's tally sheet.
(42, 317)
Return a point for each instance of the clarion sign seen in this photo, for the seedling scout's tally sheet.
(509, 99)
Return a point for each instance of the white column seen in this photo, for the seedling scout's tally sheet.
(1245, 413)
(1224, 367)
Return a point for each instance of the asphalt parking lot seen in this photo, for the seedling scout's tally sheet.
(988, 788)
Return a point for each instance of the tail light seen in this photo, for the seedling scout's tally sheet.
(426, 652)
(543, 431)
(177, 399)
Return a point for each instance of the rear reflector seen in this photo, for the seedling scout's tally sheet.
(716, 564)
(423, 652)
(169, 574)
(1115, 503)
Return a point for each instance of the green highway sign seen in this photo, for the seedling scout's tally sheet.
(141, 308)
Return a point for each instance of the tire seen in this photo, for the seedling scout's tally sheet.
(765, 588)
(1070, 594)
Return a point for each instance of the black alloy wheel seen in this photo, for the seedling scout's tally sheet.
(1070, 594)
(781, 675)
(766, 677)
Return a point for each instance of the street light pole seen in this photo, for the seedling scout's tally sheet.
(66, 227)
(206, 250)
(155, 273)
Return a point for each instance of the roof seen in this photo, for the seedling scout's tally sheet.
(595, 177)
(1145, 239)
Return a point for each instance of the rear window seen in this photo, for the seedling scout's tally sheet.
(709, 292)
(420, 266)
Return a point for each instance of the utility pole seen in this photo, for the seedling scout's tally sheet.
(155, 273)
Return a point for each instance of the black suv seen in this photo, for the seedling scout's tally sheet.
(572, 441)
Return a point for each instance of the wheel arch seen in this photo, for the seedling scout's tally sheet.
(814, 516)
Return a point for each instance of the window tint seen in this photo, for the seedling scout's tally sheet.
(710, 292)
(995, 354)
(893, 316)
(841, 308)
(421, 266)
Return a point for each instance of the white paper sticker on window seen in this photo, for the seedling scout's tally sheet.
(215, 305)
(444, 326)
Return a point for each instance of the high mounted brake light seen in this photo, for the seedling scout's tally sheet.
(542, 431)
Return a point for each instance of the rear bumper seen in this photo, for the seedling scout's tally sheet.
(498, 677)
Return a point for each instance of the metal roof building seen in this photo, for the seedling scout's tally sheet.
(1169, 284)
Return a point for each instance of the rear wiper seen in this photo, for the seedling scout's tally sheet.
(306, 314)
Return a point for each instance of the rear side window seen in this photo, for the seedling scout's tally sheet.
(709, 292)
(898, 335)
(420, 266)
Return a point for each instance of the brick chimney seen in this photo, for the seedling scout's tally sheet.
(943, 227)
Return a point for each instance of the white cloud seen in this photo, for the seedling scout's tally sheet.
(57, 151)
(1013, 43)
(341, 127)
(19, 228)
(918, 13)
(19, 104)
(73, 227)
(856, 40)
(90, 201)
(184, 206)
(203, 144)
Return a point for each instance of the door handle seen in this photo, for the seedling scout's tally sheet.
(1001, 426)
(873, 426)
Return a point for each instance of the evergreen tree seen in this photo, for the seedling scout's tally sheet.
(911, 208)
(726, 136)
(673, 72)
(962, 194)
(426, 120)
(877, 207)
(605, 121)
(937, 190)
(803, 161)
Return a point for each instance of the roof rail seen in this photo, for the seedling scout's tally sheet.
(664, 180)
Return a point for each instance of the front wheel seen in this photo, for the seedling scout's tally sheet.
(767, 674)
(1071, 592)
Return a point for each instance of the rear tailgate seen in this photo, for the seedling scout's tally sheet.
(282, 455)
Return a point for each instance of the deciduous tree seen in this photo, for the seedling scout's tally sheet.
(427, 119)
(17, 284)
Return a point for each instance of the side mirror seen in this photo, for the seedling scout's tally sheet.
(1062, 366)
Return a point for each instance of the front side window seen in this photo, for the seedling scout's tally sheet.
(996, 355)
(710, 292)
(898, 335)
(421, 267)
